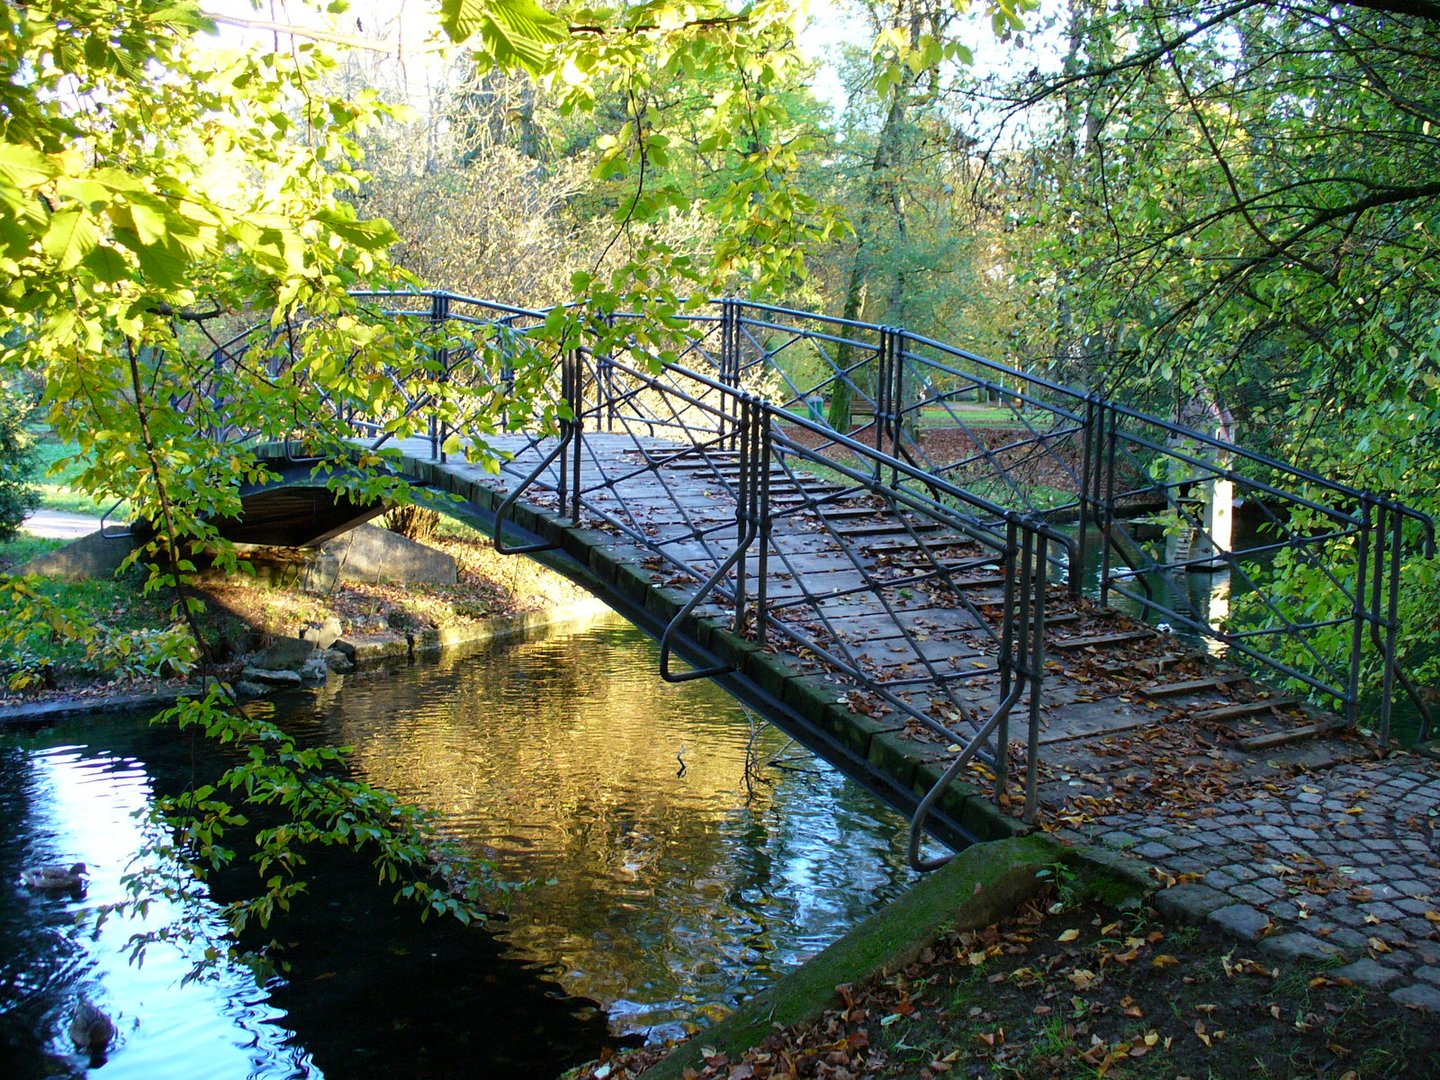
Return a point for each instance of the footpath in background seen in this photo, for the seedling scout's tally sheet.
(60, 526)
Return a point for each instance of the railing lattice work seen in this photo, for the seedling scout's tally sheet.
(859, 489)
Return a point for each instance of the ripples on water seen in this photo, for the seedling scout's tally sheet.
(665, 894)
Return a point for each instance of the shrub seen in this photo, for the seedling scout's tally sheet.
(18, 495)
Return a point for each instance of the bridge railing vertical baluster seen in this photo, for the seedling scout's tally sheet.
(1360, 613)
(901, 400)
(1014, 605)
(744, 501)
(439, 316)
(1036, 655)
(1089, 495)
(1380, 550)
(729, 373)
(1106, 485)
(765, 430)
(1392, 616)
(605, 377)
(571, 460)
(884, 385)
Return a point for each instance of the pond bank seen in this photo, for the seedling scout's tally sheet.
(381, 621)
(370, 651)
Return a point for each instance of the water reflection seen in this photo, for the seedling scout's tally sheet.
(78, 803)
(672, 895)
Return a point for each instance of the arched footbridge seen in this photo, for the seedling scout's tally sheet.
(963, 584)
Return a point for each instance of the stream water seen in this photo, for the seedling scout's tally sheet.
(666, 887)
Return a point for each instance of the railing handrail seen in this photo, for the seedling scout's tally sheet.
(1103, 424)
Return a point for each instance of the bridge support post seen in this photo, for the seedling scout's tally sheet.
(889, 395)
(439, 316)
(1089, 494)
(1364, 539)
(1035, 662)
(1104, 475)
(605, 379)
(761, 535)
(572, 434)
(1385, 623)
(729, 373)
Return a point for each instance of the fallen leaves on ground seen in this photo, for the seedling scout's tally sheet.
(1065, 991)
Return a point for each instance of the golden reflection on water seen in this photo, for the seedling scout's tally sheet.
(670, 892)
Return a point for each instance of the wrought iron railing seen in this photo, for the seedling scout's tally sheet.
(831, 560)
(904, 417)
(1152, 503)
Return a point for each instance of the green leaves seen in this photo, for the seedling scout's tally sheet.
(24, 167)
(376, 234)
(71, 236)
(516, 34)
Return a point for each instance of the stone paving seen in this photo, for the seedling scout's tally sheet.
(1342, 863)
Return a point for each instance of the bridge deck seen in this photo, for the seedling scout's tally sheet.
(1129, 714)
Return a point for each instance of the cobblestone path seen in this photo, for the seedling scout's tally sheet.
(1342, 862)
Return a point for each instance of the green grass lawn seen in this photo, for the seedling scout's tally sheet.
(55, 481)
(979, 416)
(24, 548)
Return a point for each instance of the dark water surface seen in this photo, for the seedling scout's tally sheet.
(669, 891)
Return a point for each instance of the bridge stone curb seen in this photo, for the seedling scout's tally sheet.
(631, 581)
(612, 560)
(585, 544)
(716, 635)
(967, 805)
(665, 602)
(773, 670)
(895, 756)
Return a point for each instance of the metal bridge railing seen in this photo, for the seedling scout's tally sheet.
(908, 414)
(833, 561)
(1145, 497)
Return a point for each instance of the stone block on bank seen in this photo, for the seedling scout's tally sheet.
(367, 648)
(283, 654)
(265, 677)
(368, 553)
(338, 661)
(88, 558)
(323, 634)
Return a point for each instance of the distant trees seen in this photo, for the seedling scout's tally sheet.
(1256, 209)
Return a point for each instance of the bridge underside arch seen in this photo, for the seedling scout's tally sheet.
(295, 509)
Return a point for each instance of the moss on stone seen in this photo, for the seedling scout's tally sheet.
(980, 886)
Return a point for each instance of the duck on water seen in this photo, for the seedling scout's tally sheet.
(55, 878)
